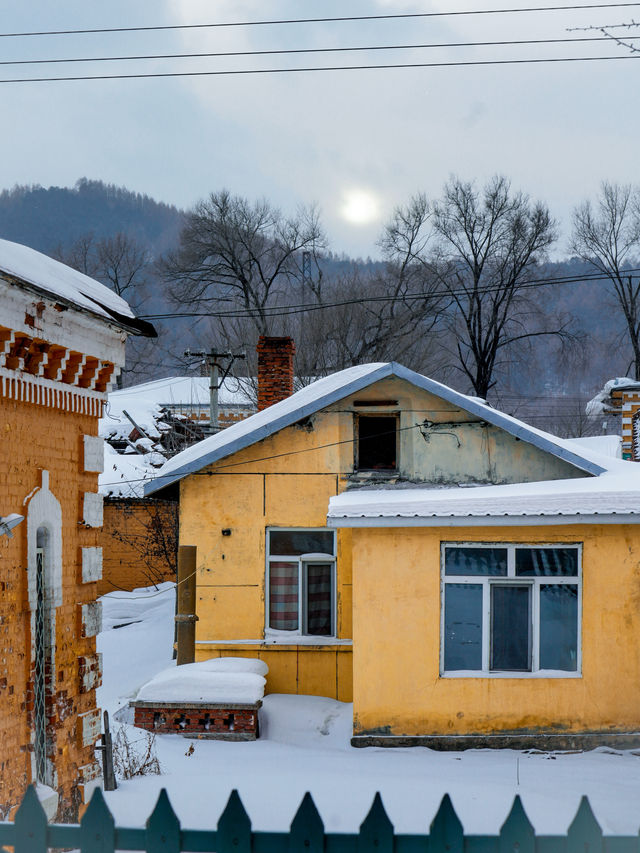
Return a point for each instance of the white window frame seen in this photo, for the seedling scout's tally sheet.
(511, 579)
(302, 560)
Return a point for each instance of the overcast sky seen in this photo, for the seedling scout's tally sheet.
(357, 143)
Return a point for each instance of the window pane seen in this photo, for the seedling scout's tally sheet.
(319, 598)
(462, 626)
(283, 596)
(377, 443)
(559, 626)
(511, 628)
(546, 561)
(475, 561)
(290, 543)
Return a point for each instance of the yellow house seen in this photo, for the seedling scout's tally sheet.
(499, 616)
(317, 599)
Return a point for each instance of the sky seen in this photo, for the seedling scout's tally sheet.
(355, 143)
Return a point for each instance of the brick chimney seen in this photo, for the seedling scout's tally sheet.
(275, 370)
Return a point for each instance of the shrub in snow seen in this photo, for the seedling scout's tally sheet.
(135, 757)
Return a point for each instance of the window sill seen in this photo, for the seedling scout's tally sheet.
(280, 642)
(542, 673)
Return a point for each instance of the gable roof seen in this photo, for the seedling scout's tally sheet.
(324, 392)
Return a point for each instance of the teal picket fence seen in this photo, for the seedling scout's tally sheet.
(97, 833)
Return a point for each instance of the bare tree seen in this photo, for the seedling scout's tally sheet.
(242, 254)
(606, 237)
(487, 242)
(126, 267)
(119, 262)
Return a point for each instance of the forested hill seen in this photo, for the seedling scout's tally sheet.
(47, 218)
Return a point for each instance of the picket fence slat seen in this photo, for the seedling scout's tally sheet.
(97, 833)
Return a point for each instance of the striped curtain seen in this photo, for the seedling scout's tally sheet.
(319, 596)
(283, 596)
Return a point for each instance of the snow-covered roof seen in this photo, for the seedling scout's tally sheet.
(219, 680)
(145, 402)
(612, 497)
(598, 404)
(69, 285)
(188, 391)
(605, 445)
(124, 476)
(331, 389)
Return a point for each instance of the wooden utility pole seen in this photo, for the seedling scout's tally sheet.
(186, 599)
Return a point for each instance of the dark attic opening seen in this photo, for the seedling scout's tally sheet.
(377, 442)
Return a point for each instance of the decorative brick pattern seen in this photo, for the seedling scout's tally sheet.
(275, 370)
(223, 722)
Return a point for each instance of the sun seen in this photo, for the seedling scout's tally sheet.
(360, 207)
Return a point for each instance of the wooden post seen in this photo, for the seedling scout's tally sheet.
(186, 616)
(108, 773)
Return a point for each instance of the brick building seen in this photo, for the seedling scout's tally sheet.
(62, 340)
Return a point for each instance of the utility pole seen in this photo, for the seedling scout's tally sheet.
(214, 360)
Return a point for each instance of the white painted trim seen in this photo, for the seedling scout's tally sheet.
(92, 509)
(44, 510)
(292, 637)
(484, 520)
(93, 454)
(511, 579)
(46, 392)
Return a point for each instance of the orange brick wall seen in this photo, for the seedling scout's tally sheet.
(35, 437)
(139, 543)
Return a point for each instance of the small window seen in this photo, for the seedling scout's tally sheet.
(376, 442)
(301, 582)
(510, 609)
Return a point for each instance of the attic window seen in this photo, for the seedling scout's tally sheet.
(376, 442)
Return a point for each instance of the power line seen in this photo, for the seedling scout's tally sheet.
(286, 310)
(327, 20)
(308, 50)
(311, 69)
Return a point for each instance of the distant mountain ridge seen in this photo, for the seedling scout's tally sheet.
(46, 218)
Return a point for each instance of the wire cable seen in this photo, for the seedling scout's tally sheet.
(309, 50)
(337, 19)
(312, 69)
(287, 310)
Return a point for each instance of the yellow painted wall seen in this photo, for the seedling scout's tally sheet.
(397, 686)
(286, 481)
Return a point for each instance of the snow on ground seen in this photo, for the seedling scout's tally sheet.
(304, 746)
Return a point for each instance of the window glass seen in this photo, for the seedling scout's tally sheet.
(510, 627)
(463, 626)
(283, 596)
(546, 562)
(559, 626)
(475, 561)
(292, 543)
(377, 443)
(319, 594)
